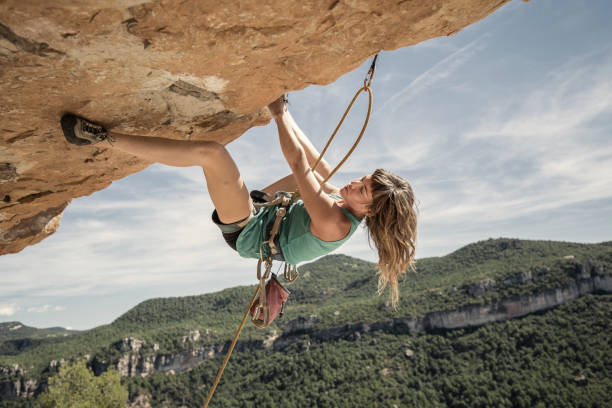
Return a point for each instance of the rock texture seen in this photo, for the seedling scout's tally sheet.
(171, 68)
(15, 384)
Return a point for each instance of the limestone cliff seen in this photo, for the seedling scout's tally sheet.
(15, 384)
(180, 69)
(135, 363)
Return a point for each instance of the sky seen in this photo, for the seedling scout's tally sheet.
(503, 129)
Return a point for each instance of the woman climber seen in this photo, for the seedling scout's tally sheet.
(324, 217)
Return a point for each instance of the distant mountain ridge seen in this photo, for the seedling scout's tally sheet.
(18, 330)
(333, 300)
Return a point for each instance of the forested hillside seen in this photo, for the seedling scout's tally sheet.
(561, 358)
(339, 344)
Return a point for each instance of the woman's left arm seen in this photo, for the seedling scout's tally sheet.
(327, 221)
(288, 183)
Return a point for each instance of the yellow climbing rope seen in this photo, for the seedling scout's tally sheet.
(268, 261)
(366, 87)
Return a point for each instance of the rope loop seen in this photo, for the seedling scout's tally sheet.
(365, 125)
(366, 87)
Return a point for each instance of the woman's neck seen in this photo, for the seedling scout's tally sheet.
(343, 204)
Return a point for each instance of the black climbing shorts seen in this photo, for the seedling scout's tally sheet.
(231, 231)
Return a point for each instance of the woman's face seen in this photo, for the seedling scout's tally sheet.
(357, 195)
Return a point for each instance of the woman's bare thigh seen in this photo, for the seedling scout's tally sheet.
(226, 187)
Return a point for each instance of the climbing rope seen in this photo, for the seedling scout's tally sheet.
(231, 348)
(366, 87)
(289, 276)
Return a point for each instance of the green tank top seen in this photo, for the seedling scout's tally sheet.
(296, 241)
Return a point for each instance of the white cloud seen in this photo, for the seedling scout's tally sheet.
(8, 309)
(568, 100)
(530, 153)
(438, 72)
(108, 244)
(46, 308)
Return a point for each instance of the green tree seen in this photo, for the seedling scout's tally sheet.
(75, 386)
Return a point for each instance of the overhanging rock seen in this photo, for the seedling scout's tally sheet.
(179, 69)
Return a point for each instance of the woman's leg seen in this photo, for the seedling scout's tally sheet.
(225, 185)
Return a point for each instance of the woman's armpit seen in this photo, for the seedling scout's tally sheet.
(331, 230)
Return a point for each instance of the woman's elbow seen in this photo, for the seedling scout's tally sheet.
(297, 160)
(324, 168)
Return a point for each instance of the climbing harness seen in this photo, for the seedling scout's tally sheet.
(271, 296)
(264, 313)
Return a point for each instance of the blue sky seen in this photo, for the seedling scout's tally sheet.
(504, 129)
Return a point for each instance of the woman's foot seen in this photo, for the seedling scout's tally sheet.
(279, 106)
(80, 131)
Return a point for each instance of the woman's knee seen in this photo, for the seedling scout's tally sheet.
(207, 151)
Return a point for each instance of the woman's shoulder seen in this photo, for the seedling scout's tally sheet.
(335, 227)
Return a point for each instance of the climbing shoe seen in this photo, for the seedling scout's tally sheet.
(82, 132)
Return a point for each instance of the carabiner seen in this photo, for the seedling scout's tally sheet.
(368, 79)
(290, 273)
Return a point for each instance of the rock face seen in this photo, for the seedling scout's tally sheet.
(15, 384)
(133, 362)
(511, 308)
(171, 68)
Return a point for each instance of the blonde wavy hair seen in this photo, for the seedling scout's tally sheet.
(393, 229)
